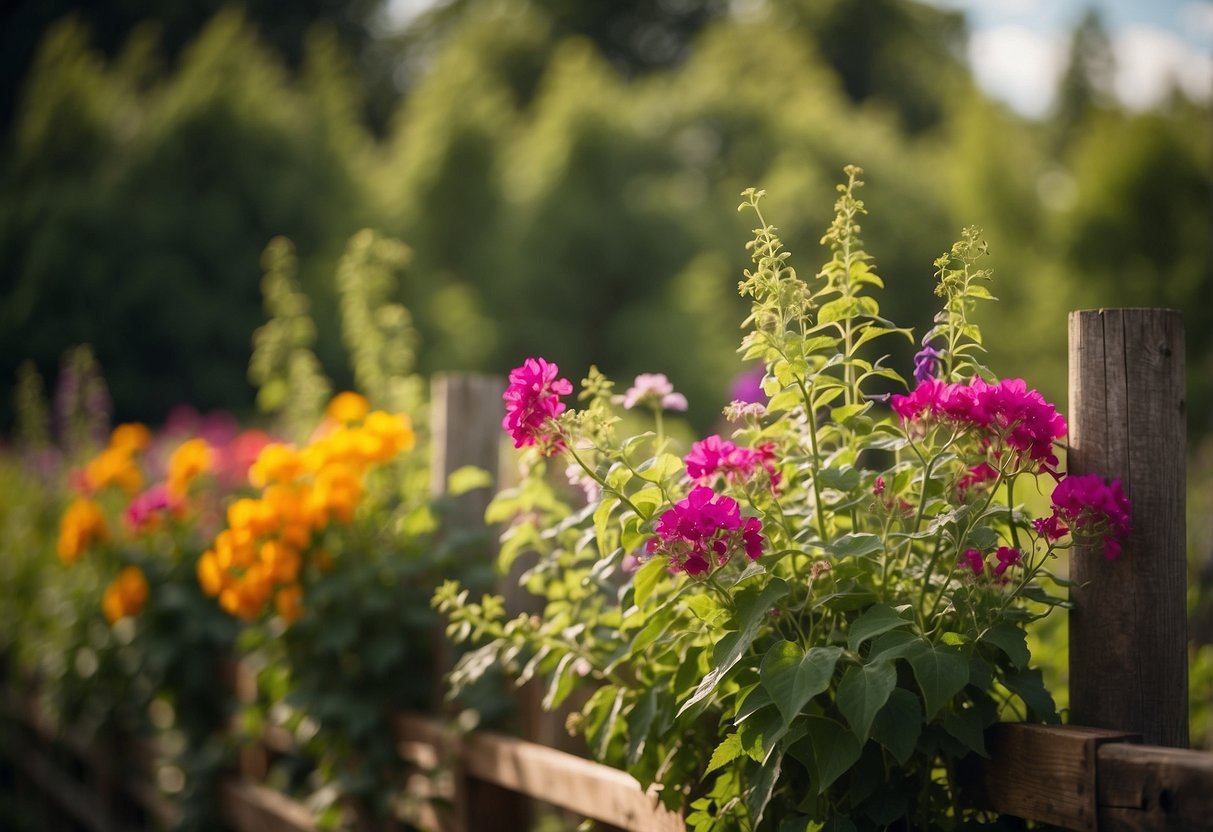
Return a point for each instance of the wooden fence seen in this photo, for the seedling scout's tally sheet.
(1123, 766)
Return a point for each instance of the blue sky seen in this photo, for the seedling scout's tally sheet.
(1018, 48)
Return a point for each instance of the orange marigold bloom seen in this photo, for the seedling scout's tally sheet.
(211, 577)
(193, 458)
(125, 595)
(289, 602)
(394, 430)
(114, 466)
(347, 407)
(280, 560)
(256, 517)
(131, 436)
(82, 523)
(276, 463)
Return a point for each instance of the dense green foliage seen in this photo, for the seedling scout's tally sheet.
(556, 173)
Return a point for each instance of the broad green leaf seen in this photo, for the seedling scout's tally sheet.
(863, 691)
(647, 500)
(762, 785)
(787, 399)
(659, 468)
(561, 683)
(899, 724)
(728, 751)
(855, 545)
(875, 620)
(847, 411)
(793, 677)
(1011, 640)
(646, 579)
(967, 726)
(639, 720)
(1029, 686)
(751, 614)
(941, 673)
(602, 516)
(834, 748)
(895, 644)
(468, 478)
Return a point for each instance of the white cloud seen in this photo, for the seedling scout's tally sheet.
(1198, 18)
(1018, 65)
(1150, 60)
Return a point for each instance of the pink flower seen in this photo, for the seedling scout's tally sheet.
(141, 513)
(531, 401)
(1007, 557)
(653, 390)
(713, 456)
(1008, 415)
(703, 530)
(1094, 510)
(977, 475)
(972, 559)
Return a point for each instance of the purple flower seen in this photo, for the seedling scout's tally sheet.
(926, 363)
(747, 387)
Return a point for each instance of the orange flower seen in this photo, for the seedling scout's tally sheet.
(347, 407)
(125, 595)
(276, 463)
(131, 436)
(114, 466)
(194, 457)
(288, 602)
(211, 577)
(82, 524)
(393, 430)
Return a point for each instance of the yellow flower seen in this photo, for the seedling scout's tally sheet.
(131, 436)
(211, 577)
(276, 463)
(125, 595)
(114, 466)
(194, 457)
(394, 430)
(280, 560)
(347, 407)
(81, 524)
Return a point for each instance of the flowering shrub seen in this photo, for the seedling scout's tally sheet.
(813, 621)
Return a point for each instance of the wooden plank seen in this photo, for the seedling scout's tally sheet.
(581, 786)
(247, 807)
(1128, 632)
(1045, 773)
(1154, 788)
(71, 797)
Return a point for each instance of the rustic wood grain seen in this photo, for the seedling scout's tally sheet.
(1150, 787)
(1128, 632)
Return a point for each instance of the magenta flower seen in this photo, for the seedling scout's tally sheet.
(653, 390)
(978, 474)
(532, 400)
(143, 508)
(715, 456)
(1007, 557)
(1094, 511)
(1008, 415)
(747, 387)
(704, 530)
(972, 559)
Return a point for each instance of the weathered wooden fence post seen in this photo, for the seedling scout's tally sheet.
(1128, 633)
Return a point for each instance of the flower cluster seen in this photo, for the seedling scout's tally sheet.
(704, 530)
(714, 456)
(532, 401)
(82, 524)
(1007, 415)
(259, 555)
(1005, 558)
(652, 390)
(126, 594)
(1091, 510)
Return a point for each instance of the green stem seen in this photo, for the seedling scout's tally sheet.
(811, 418)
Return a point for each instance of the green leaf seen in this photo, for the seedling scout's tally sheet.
(659, 468)
(793, 677)
(1029, 686)
(855, 545)
(647, 500)
(725, 753)
(468, 478)
(847, 411)
(602, 516)
(1011, 640)
(875, 620)
(646, 579)
(762, 786)
(834, 749)
(561, 684)
(899, 724)
(967, 726)
(751, 614)
(941, 673)
(639, 720)
(863, 691)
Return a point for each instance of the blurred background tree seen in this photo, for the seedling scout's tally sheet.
(565, 174)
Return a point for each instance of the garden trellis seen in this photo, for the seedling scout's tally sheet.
(1122, 764)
